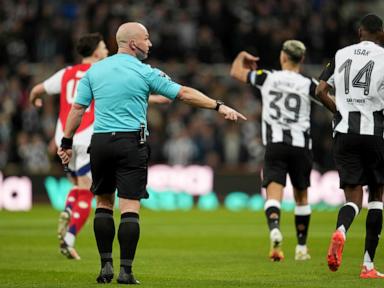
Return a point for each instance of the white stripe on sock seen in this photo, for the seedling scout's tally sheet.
(354, 206)
(303, 210)
(375, 205)
(271, 203)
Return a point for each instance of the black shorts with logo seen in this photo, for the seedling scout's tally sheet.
(281, 158)
(119, 161)
(359, 159)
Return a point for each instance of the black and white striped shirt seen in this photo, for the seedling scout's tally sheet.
(286, 106)
(357, 74)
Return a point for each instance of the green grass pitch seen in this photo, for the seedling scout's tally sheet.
(182, 249)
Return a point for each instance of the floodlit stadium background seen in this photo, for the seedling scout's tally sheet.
(194, 42)
(200, 163)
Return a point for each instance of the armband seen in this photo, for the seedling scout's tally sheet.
(66, 143)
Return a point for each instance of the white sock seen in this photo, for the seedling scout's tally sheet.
(367, 261)
(69, 238)
(342, 230)
(275, 235)
(302, 248)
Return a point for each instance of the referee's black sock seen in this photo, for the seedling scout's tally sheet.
(104, 229)
(373, 224)
(272, 212)
(302, 217)
(128, 234)
(347, 214)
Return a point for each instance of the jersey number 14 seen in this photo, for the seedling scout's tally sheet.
(364, 72)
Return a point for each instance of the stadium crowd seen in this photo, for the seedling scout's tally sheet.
(190, 36)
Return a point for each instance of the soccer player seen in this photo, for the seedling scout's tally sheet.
(357, 74)
(286, 97)
(64, 82)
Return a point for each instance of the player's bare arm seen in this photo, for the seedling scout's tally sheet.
(322, 93)
(195, 98)
(242, 65)
(36, 93)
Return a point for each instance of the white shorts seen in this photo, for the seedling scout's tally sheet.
(80, 161)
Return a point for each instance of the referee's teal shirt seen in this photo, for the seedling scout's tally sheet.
(120, 86)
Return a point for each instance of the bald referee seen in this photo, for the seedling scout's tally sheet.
(121, 85)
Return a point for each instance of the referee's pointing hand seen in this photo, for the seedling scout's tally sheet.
(230, 114)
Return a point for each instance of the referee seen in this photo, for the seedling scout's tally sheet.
(121, 85)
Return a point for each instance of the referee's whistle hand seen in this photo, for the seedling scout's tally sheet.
(230, 114)
(65, 155)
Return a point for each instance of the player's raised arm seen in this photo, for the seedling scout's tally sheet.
(242, 65)
(50, 86)
(35, 95)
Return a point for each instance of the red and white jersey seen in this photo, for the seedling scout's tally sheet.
(65, 82)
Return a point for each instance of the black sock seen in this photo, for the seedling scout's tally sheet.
(272, 212)
(128, 234)
(374, 223)
(346, 215)
(302, 217)
(104, 229)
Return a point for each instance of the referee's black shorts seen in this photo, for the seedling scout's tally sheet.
(119, 161)
(281, 158)
(359, 159)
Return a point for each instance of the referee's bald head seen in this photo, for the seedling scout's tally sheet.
(133, 38)
(129, 31)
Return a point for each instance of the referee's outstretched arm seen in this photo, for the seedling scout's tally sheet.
(195, 98)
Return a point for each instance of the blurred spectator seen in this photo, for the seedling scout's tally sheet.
(33, 152)
(179, 149)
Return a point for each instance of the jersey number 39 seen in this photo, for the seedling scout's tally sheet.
(292, 103)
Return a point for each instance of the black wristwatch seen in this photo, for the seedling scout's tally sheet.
(218, 104)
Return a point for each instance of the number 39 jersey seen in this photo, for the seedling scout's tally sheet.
(286, 97)
(65, 82)
(357, 74)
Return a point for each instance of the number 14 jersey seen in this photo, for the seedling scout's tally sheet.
(357, 74)
(65, 82)
(286, 97)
